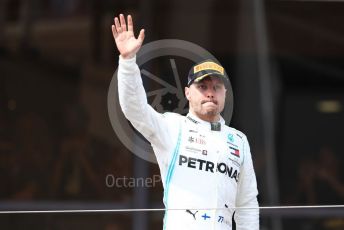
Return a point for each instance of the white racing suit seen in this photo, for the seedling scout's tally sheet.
(206, 174)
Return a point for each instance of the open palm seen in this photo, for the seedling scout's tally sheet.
(124, 37)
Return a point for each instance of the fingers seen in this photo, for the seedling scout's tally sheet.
(120, 26)
(114, 32)
(130, 23)
(123, 24)
(117, 25)
(141, 35)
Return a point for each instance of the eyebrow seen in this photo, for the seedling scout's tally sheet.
(220, 82)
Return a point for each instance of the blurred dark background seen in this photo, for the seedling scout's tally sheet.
(57, 146)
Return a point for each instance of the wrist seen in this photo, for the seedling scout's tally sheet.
(127, 56)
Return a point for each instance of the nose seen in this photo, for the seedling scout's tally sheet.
(210, 93)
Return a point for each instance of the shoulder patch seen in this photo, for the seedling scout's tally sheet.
(239, 136)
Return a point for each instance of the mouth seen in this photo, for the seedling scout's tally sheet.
(209, 102)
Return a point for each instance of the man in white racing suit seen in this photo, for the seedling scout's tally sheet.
(206, 166)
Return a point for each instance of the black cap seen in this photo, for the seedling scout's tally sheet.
(204, 69)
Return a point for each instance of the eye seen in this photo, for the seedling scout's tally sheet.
(202, 86)
(218, 87)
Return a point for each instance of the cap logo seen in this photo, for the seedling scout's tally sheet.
(207, 66)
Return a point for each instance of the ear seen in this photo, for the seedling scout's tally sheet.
(187, 93)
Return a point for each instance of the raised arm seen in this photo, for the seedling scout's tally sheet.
(132, 96)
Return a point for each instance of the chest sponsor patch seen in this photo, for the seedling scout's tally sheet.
(209, 166)
(197, 140)
(195, 150)
(234, 151)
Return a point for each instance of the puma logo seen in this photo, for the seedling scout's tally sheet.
(193, 214)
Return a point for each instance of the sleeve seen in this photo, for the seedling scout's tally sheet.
(133, 101)
(247, 219)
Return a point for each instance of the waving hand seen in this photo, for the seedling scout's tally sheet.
(124, 37)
